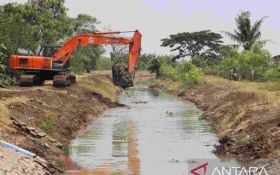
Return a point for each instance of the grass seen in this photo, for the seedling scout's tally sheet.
(49, 122)
(268, 91)
(101, 86)
(4, 111)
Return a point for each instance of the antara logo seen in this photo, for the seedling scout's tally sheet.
(202, 170)
(203, 167)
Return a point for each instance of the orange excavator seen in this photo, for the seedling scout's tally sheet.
(55, 61)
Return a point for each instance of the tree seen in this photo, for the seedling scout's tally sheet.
(276, 60)
(203, 43)
(14, 33)
(246, 34)
(145, 61)
(48, 20)
(154, 67)
(118, 53)
(44, 22)
(83, 23)
(86, 58)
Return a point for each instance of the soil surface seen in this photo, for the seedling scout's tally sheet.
(247, 125)
(43, 120)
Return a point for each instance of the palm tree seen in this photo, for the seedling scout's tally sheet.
(246, 34)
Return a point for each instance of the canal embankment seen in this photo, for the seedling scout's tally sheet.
(244, 115)
(43, 120)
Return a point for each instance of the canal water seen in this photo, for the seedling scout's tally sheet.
(157, 134)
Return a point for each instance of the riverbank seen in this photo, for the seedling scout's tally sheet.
(245, 115)
(43, 120)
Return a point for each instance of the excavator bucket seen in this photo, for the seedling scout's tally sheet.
(121, 77)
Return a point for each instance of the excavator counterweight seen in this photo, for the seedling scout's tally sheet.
(54, 64)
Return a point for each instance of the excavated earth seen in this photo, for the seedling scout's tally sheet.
(43, 120)
(247, 125)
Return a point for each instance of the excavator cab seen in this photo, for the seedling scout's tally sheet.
(53, 61)
(50, 50)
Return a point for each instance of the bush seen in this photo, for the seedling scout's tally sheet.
(272, 74)
(104, 64)
(249, 64)
(49, 122)
(185, 72)
(5, 79)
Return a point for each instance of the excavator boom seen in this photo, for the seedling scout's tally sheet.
(48, 67)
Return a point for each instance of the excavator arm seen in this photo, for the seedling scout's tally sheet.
(37, 69)
(63, 55)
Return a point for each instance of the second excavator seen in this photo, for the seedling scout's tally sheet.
(54, 63)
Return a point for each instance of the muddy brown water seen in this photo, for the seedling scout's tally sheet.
(157, 134)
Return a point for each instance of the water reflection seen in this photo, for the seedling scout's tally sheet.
(157, 135)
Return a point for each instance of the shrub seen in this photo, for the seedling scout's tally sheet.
(272, 74)
(104, 64)
(169, 72)
(5, 79)
(185, 72)
(249, 64)
(49, 122)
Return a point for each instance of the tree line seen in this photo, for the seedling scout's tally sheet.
(27, 28)
(206, 50)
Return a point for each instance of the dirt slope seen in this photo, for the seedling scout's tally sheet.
(245, 120)
(57, 113)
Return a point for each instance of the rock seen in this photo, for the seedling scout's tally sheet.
(41, 161)
(12, 118)
(31, 128)
(32, 133)
(46, 145)
(276, 134)
(59, 145)
(21, 123)
(16, 123)
(51, 139)
(41, 134)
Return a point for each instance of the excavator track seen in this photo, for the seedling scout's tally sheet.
(121, 76)
(63, 80)
(55, 61)
(30, 80)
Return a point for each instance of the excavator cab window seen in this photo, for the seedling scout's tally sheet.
(49, 50)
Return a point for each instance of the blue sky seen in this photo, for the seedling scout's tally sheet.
(157, 19)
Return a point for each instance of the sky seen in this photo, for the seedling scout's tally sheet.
(157, 19)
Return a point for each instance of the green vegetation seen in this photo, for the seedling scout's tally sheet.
(185, 72)
(30, 26)
(206, 51)
(245, 34)
(203, 43)
(253, 64)
(104, 64)
(86, 58)
(49, 122)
